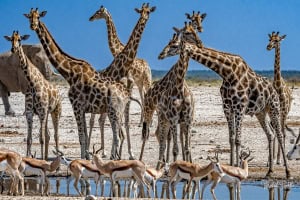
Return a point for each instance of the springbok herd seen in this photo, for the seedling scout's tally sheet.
(108, 93)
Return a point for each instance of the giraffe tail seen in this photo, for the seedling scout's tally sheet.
(137, 101)
(290, 130)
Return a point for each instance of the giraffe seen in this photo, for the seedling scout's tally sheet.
(89, 91)
(139, 70)
(243, 92)
(41, 98)
(154, 93)
(284, 92)
(175, 100)
(151, 100)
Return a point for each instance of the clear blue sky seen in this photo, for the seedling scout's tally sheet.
(234, 26)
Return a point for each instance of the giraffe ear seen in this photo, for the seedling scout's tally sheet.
(43, 13)
(27, 15)
(282, 37)
(25, 37)
(138, 10)
(177, 30)
(188, 15)
(8, 38)
(152, 9)
(203, 16)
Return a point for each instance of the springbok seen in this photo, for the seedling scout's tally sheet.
(191, 172)
(294, 153)
(9, 163)
(151, 176)
(230, 175)
(121, 169)
(32, 166)
(84, 169)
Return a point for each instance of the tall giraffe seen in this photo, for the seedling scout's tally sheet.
(89, 91)
(139, 70)
(284, 92)
(153, 94)
(41, 98)
(175, 100)
(243, 92)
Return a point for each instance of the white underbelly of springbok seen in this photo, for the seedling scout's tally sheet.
(229, 179)
(124, 174)
(85, 173)
(29, 171)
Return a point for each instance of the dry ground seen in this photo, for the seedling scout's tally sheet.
(209, 131)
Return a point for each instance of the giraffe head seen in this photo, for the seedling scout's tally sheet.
(102, 13)
(196, 19)
(186, 34)
(145, 10)
(274, 40)
(15, 40)
(34, 18)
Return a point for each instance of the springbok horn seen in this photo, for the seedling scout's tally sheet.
(247, 154)
(94, 148)
(60, 152)
(98, 150)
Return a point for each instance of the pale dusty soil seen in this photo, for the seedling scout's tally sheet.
(209, 131)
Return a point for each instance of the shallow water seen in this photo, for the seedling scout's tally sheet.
(250, 189)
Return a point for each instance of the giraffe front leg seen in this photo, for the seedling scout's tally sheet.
(230, 122)
(238, 125)
(42, 137)
(55, 115)
(92, 123)
(29, 118)
(168, 145)
(173, 133)
(47, 140)
(115, 129)
(131, 156)
(82, 132)
(163, 131)
(101, 122)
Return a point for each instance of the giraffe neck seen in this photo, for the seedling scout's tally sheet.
(129, 52)
(126, 57)
(114, 43)
(277, 72)
(180, 68)
(224, 64)
(25, 66)
(66, 65)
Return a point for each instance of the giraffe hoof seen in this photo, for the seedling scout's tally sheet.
(269, 175)
(10, 113)
(132, 158)
(288, 175)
